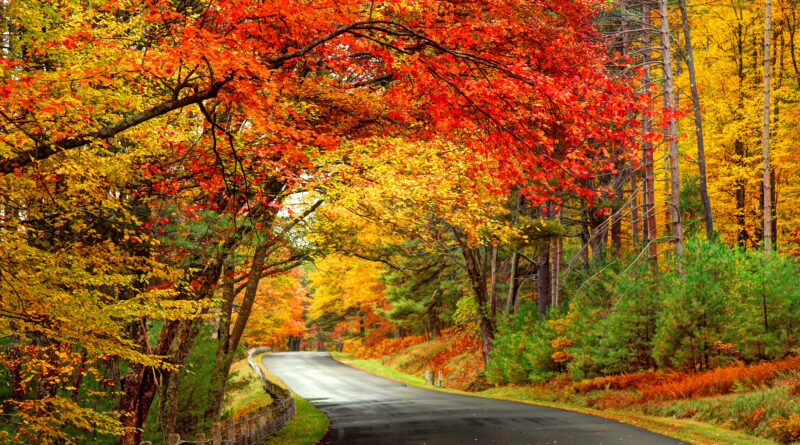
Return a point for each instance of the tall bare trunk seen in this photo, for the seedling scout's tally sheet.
(493, 285)
(634, 192)
(698, 124)
(556, 260)
(669, 102)
(765, 129)
(649, 230)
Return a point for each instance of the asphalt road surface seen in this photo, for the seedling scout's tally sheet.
(366, 409)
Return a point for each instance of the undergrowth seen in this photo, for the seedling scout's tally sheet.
(455, 353)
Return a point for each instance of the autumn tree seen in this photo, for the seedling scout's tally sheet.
(146, 146)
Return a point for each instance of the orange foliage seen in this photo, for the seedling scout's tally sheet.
(622, 381)
(718, 381)
(456, 343)
(686, 385)
(459, 343)
(277, 310)
(752, 420)
(387, 346)
(615, 400)
(786, 430)
(794, 387)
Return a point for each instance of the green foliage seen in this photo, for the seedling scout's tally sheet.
(534, 235)
(611, 321)
(425, 291)
(522, 349)
(721, 305)
(728, 305)
(772, 296)
(691, 206)
(703, 310)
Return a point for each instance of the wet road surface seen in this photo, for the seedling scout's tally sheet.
(366, 409)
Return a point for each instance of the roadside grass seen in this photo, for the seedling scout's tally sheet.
(750, 411)
(687, 429)
(244, 391)
(307, 427)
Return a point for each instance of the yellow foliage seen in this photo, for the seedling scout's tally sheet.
(344, 284)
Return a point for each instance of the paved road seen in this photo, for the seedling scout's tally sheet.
(365, 409)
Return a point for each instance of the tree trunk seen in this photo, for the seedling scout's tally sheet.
(649, 230)
(228, 342)
(141, 382)
(616, 219)
(669, 102)
(556, 260)
(513, 283)
(585, 238)
(598, 225)
(219, 377)
(543, 285)
(477, 279)
(740, 196)
(765, 130)
(182, 346)
(634, 192)
(698, 124)
(493, 284)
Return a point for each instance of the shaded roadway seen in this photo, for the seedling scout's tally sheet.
(367, 409)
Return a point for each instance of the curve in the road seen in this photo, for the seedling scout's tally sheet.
(367, 409)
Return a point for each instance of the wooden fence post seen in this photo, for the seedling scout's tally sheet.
(173, 439)
(439, 380)
(254, 430)
(242, 421)
(216, 434)
(230, 429)
(428, 377)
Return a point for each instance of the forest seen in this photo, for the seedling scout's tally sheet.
(595, 193)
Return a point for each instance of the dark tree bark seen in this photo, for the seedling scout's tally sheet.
(493, 284)
(141, 382)
(543, 284)
(740, 196)
(698, 124)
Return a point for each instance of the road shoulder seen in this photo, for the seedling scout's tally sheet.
(682, 429)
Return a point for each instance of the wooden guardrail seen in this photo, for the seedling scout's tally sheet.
(251, 428)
